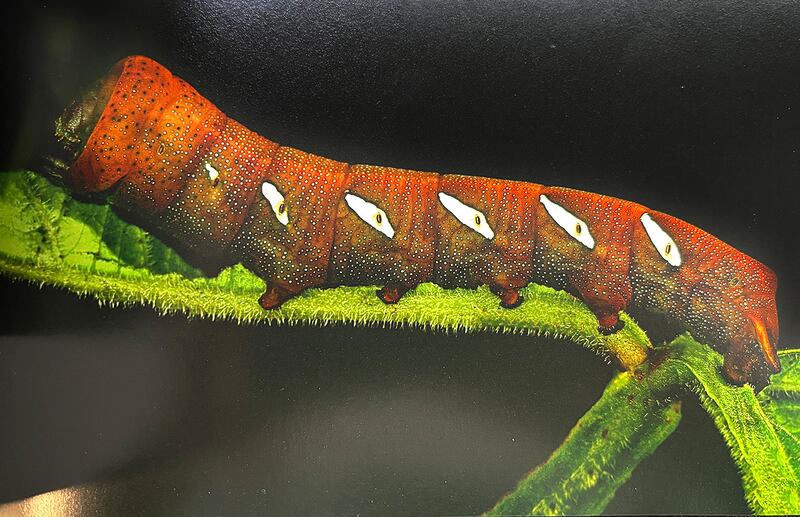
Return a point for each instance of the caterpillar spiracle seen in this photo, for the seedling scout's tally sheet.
(156, 149)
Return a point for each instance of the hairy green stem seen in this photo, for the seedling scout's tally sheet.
(581, 477)
(761, 431)
(634, 416)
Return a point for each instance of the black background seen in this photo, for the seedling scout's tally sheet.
(690, 108)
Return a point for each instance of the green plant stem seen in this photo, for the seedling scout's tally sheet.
(767, 452)
(634, 416)
(581, 477)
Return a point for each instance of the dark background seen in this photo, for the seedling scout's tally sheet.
(689, 108)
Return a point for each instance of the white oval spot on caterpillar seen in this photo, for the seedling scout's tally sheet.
(370, 214)
(276, 201)
(213, 173)
(467, 215)
(664, 244)
(575, 227)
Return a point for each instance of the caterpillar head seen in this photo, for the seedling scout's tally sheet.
(724, 297)
(74, 127)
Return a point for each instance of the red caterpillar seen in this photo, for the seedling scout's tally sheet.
(163, 153)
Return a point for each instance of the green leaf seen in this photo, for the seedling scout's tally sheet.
(48, 237)
(781, 399)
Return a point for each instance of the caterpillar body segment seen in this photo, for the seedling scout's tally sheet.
(466, 257)
(157, 149)
(393, 241)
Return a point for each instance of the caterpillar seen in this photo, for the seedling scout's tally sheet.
(157, 150)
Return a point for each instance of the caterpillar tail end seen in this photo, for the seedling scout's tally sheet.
(753, 358)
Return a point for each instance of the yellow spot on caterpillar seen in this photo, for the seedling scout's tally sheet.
(213, 173)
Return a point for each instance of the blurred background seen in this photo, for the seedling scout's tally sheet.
(690, 108)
